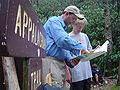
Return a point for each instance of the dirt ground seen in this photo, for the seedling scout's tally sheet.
(108, 82)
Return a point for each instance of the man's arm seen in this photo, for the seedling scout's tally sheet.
(62, 39)
(74, 62)
(68, 75)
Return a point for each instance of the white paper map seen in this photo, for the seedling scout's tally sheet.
(96, 53)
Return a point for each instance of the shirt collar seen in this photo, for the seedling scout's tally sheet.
(62, 23)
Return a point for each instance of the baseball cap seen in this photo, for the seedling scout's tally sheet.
(83, 20)
(74, 10)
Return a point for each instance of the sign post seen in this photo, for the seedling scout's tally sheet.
(10, 73)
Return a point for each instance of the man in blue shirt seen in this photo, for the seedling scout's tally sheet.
(59, 45)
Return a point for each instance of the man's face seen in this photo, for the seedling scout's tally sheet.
(71, 18)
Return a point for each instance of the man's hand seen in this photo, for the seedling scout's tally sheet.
(95, 49)
(74, 62)
(84, 51)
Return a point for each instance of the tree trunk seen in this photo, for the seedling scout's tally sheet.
(107, 25)
(108, 34)
(118, 81)
(11, 80)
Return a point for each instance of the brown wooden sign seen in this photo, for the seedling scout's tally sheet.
(35, 73)
(21, 33)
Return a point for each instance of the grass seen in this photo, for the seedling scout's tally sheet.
(113, 87)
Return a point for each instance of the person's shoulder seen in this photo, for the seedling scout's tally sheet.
(84, 34)
(97, 70)
(54, 18)
(71, 34)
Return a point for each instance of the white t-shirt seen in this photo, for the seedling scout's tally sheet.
(82, 70)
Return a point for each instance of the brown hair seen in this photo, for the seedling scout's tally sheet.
(94, 66)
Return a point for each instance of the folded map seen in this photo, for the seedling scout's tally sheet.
(96, 53)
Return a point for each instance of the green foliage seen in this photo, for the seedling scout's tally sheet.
(113, 87)
(94, 12)
(113, 58)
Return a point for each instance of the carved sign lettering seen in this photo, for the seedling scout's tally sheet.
(21, 33)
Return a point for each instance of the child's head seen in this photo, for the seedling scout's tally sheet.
(79, 24)
(82, 20)
(94, 66)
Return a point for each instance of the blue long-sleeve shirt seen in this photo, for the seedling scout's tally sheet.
(58, 42)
